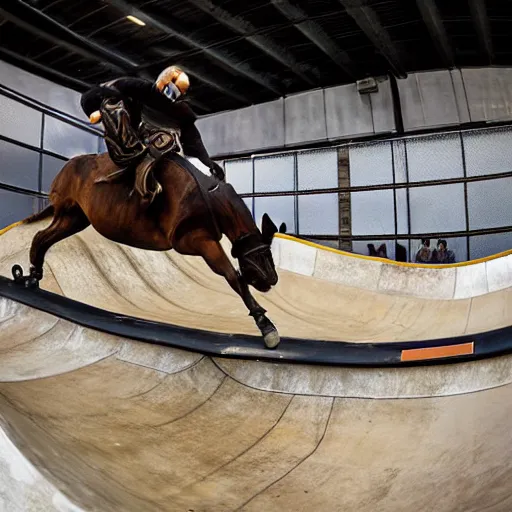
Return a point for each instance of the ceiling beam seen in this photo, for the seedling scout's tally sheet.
(236, 66)
(89, 49)
(432, 19)
(483, 28)
(368, 21)
(38, 23)
(317, 35)
(307, 73)
(45, 71)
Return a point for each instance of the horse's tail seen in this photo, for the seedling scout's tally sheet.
(43, 214)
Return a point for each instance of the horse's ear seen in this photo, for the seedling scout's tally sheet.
(268, 229)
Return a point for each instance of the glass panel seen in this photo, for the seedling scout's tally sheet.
(372, 212)
(434, 158)
(428, 252)
(334, 244)
(376, 249)
(400, 161)
(274, 174)
(102, 146)
(489, 203)
(239, 174)
(15, 207)
(67, 140)
(402, 219)
(280, 209)
(19, 122)
(487, 245)
(488, 152)
(437, 209)
(249, 201)
(371, 164)
(318, 214)
(51, 167)
(19, 166)
(317, 169)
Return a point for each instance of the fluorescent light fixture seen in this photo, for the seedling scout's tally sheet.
(135, 20)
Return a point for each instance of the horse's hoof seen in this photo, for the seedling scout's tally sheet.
(30, 281)
(17, 273)
(271, 339)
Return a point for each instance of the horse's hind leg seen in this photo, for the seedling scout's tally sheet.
(216, 258)
(66, 222)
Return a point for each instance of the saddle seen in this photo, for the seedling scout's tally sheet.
(136, 152)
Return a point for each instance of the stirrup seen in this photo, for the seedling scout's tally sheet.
(110, 177)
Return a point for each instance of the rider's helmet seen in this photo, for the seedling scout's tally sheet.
(173, 82)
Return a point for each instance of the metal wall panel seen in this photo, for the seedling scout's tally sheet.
(252, 128)
(305, 117)
(347, 112)
(19, 166)
(428, 100)
(488, 93)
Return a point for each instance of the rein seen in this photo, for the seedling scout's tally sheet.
(185, 164)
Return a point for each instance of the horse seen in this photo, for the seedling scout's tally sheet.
(190, 215)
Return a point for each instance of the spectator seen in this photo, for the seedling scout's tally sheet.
(442, 254)
(400, 252)
(424, 254)
(381, 252)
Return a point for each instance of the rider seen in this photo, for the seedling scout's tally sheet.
(136, 111)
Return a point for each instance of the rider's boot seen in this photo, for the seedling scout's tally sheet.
(123, 143)
(146, 184)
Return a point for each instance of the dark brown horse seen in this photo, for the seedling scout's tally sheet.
(189, 216)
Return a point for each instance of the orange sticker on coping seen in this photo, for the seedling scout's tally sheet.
(419, 354)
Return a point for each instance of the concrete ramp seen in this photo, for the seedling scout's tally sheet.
(95, 421)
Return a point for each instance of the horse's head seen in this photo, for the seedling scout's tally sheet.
(255, 257)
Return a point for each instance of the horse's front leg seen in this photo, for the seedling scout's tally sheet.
(217, 260)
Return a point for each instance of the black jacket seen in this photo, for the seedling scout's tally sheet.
(143, 101)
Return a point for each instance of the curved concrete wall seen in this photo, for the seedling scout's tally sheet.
(457, 281)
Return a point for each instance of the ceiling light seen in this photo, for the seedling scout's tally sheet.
(135, 20)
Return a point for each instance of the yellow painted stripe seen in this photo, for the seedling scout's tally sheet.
(419, 354)
(8, 228)
(392, 262)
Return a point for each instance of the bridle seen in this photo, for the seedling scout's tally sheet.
(243, 247)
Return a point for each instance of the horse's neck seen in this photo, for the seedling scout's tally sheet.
(233, 217)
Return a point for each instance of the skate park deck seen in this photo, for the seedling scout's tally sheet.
(96, 421)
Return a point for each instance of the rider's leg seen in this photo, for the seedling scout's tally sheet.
(193, 146)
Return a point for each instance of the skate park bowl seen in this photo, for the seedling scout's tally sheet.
(135, 380)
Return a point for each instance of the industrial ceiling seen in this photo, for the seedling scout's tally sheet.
(243, 52)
